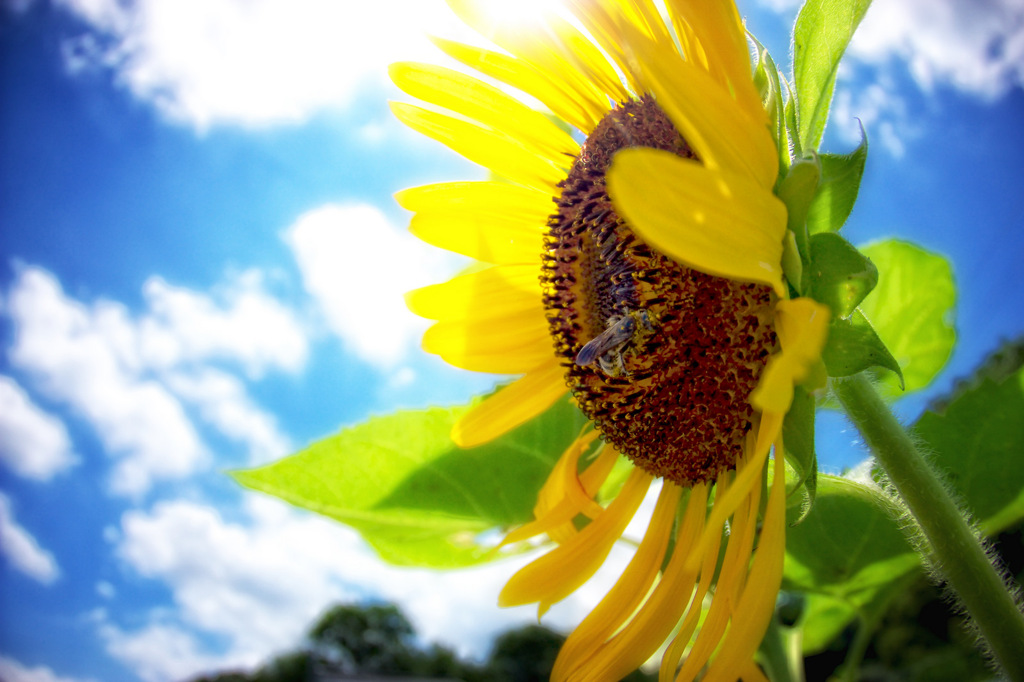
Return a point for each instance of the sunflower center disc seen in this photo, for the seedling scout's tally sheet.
(661, 357)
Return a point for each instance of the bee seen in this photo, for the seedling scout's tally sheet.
(606, 348)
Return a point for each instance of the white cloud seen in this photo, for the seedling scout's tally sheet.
(223, 402)
(13, 671)
(33, 444)
(250, 62)
(884, 116)
(258, 586)
(246, 326)
(976, 46)
(22, 550)
(358, 266)
(159, 652)
(127, 375)
(89, 358)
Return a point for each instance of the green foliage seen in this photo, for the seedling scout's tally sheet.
(823, 30)
(838, 275)
(912, 310)
(853, 346)
(976, 441)
(416, 497)
(840, 183)
(798, 435)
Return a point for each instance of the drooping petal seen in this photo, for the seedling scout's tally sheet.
(554, 576)
(562, 497)
(632, 586)
(493, 150)
(513, 405)
(802, 326)
(716, 222)
(488, 105)
(755, 606)
(641, 636)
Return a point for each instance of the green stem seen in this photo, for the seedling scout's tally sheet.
(956, 549)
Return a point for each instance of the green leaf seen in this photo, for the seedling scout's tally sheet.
(840, 183)
(844, 555)
(912, 310)
(849, 545)
(416, 497)
(853, 346)
(977, 441)
(823, 30)
(838, 275)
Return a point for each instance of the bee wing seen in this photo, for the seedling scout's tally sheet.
(608, 340)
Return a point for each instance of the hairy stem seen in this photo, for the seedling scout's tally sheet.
(956, 549)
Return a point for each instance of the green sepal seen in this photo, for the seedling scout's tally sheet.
(838, 275)
(416, 497)
(822, 31)
(798, 437)
(840, 183)
(853, 346)
(769, 83)
(796, 190)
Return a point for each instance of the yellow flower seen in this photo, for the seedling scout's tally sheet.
(642, 272)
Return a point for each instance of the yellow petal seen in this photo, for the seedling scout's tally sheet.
(495, 222)
(510, 345)
(503, 155)
(488, 105)
(716, 25)
(629, 590)
(540, 48)
(562, 494)
(725, 134)
(754, 608)
(802, 326)
(557, 574)
(524, 77)
(589, 61)
(716, 222)
(638, 639)
(511, 406)
(497, 293)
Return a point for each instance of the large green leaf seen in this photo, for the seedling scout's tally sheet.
(912, 311)
(416, 497)
(977, 441)
(823, 30)
(844, 555)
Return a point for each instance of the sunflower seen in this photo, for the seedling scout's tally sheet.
(640, 270)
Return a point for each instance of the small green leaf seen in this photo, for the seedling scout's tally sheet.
(798, 435)
(853, 346)
(849, 546)
(838, 275)
(840, 183)
(823, 619)
(416, 497)
(912, 310)
(977, 441)
(823, 30)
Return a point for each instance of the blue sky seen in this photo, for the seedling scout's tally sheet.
(201, 268)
